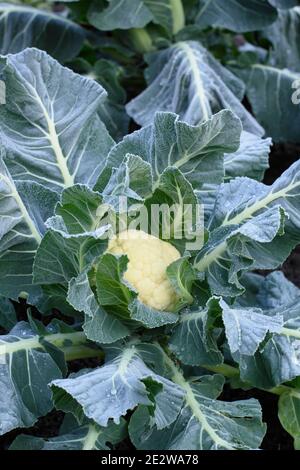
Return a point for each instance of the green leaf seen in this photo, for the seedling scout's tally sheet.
(182, 225)
(132, 179)
(246, 328)
(203, 423)
(200, 88)
(271, 93)
(251, 159)
(8, 316)
(169, 14)
(22, 26)
(289, 414)
(24, 389)
(62, 256)
(89, 437)
(119, 14)
(238, 426)
(284, 35)
(277, 359)
(77, 251)
(240, 15)
(111, 289)
(52, 296)
(284, 3)
(193, 340)
(23, 209)
(275, 362)
(271, 292)
(50, 128)
(76, 237)
(120, 299)
(115, 118)
(182, 276)
(194, 150)
(99, 326)
(109, 74)
(112, 111)
(118, 386)
(247, 230)
(234, 249)
(81, 209)
(150, 317)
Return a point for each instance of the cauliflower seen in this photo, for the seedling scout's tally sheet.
(148, 258)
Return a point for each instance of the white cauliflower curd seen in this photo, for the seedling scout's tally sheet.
(148, 258)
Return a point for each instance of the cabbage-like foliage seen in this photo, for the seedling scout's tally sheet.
(157, 376)
(201, 87)
(22, 26)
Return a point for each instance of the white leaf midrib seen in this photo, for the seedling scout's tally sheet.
(27, 344)
(204, 105)
(25, 215)
(194, 406)
(90, 440)
(52, 136)
(261, 204)
(7, 9)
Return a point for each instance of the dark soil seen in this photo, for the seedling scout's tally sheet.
(282, 156)
(291, 267)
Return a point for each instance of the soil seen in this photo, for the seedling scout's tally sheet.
(282, 156)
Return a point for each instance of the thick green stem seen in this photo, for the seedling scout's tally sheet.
(76, 346)
(61, 339)
(224, 369)
(290, 332)
(140, 40)
(280, 390)
(178, 15)
(58, 339)
(91, 438)
(81, 352)
(191, 401)
(230, 372)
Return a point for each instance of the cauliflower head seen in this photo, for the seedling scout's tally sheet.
(148, 258)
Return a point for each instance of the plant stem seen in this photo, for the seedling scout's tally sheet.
(224, 369)
(191, 401)
(80, 349)
(91, 438)
(61, 339)
(81, 352)
(290, 332)
(74, 345)
(140, 40)
(230, 371)
(58, 339)
(178, 15)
